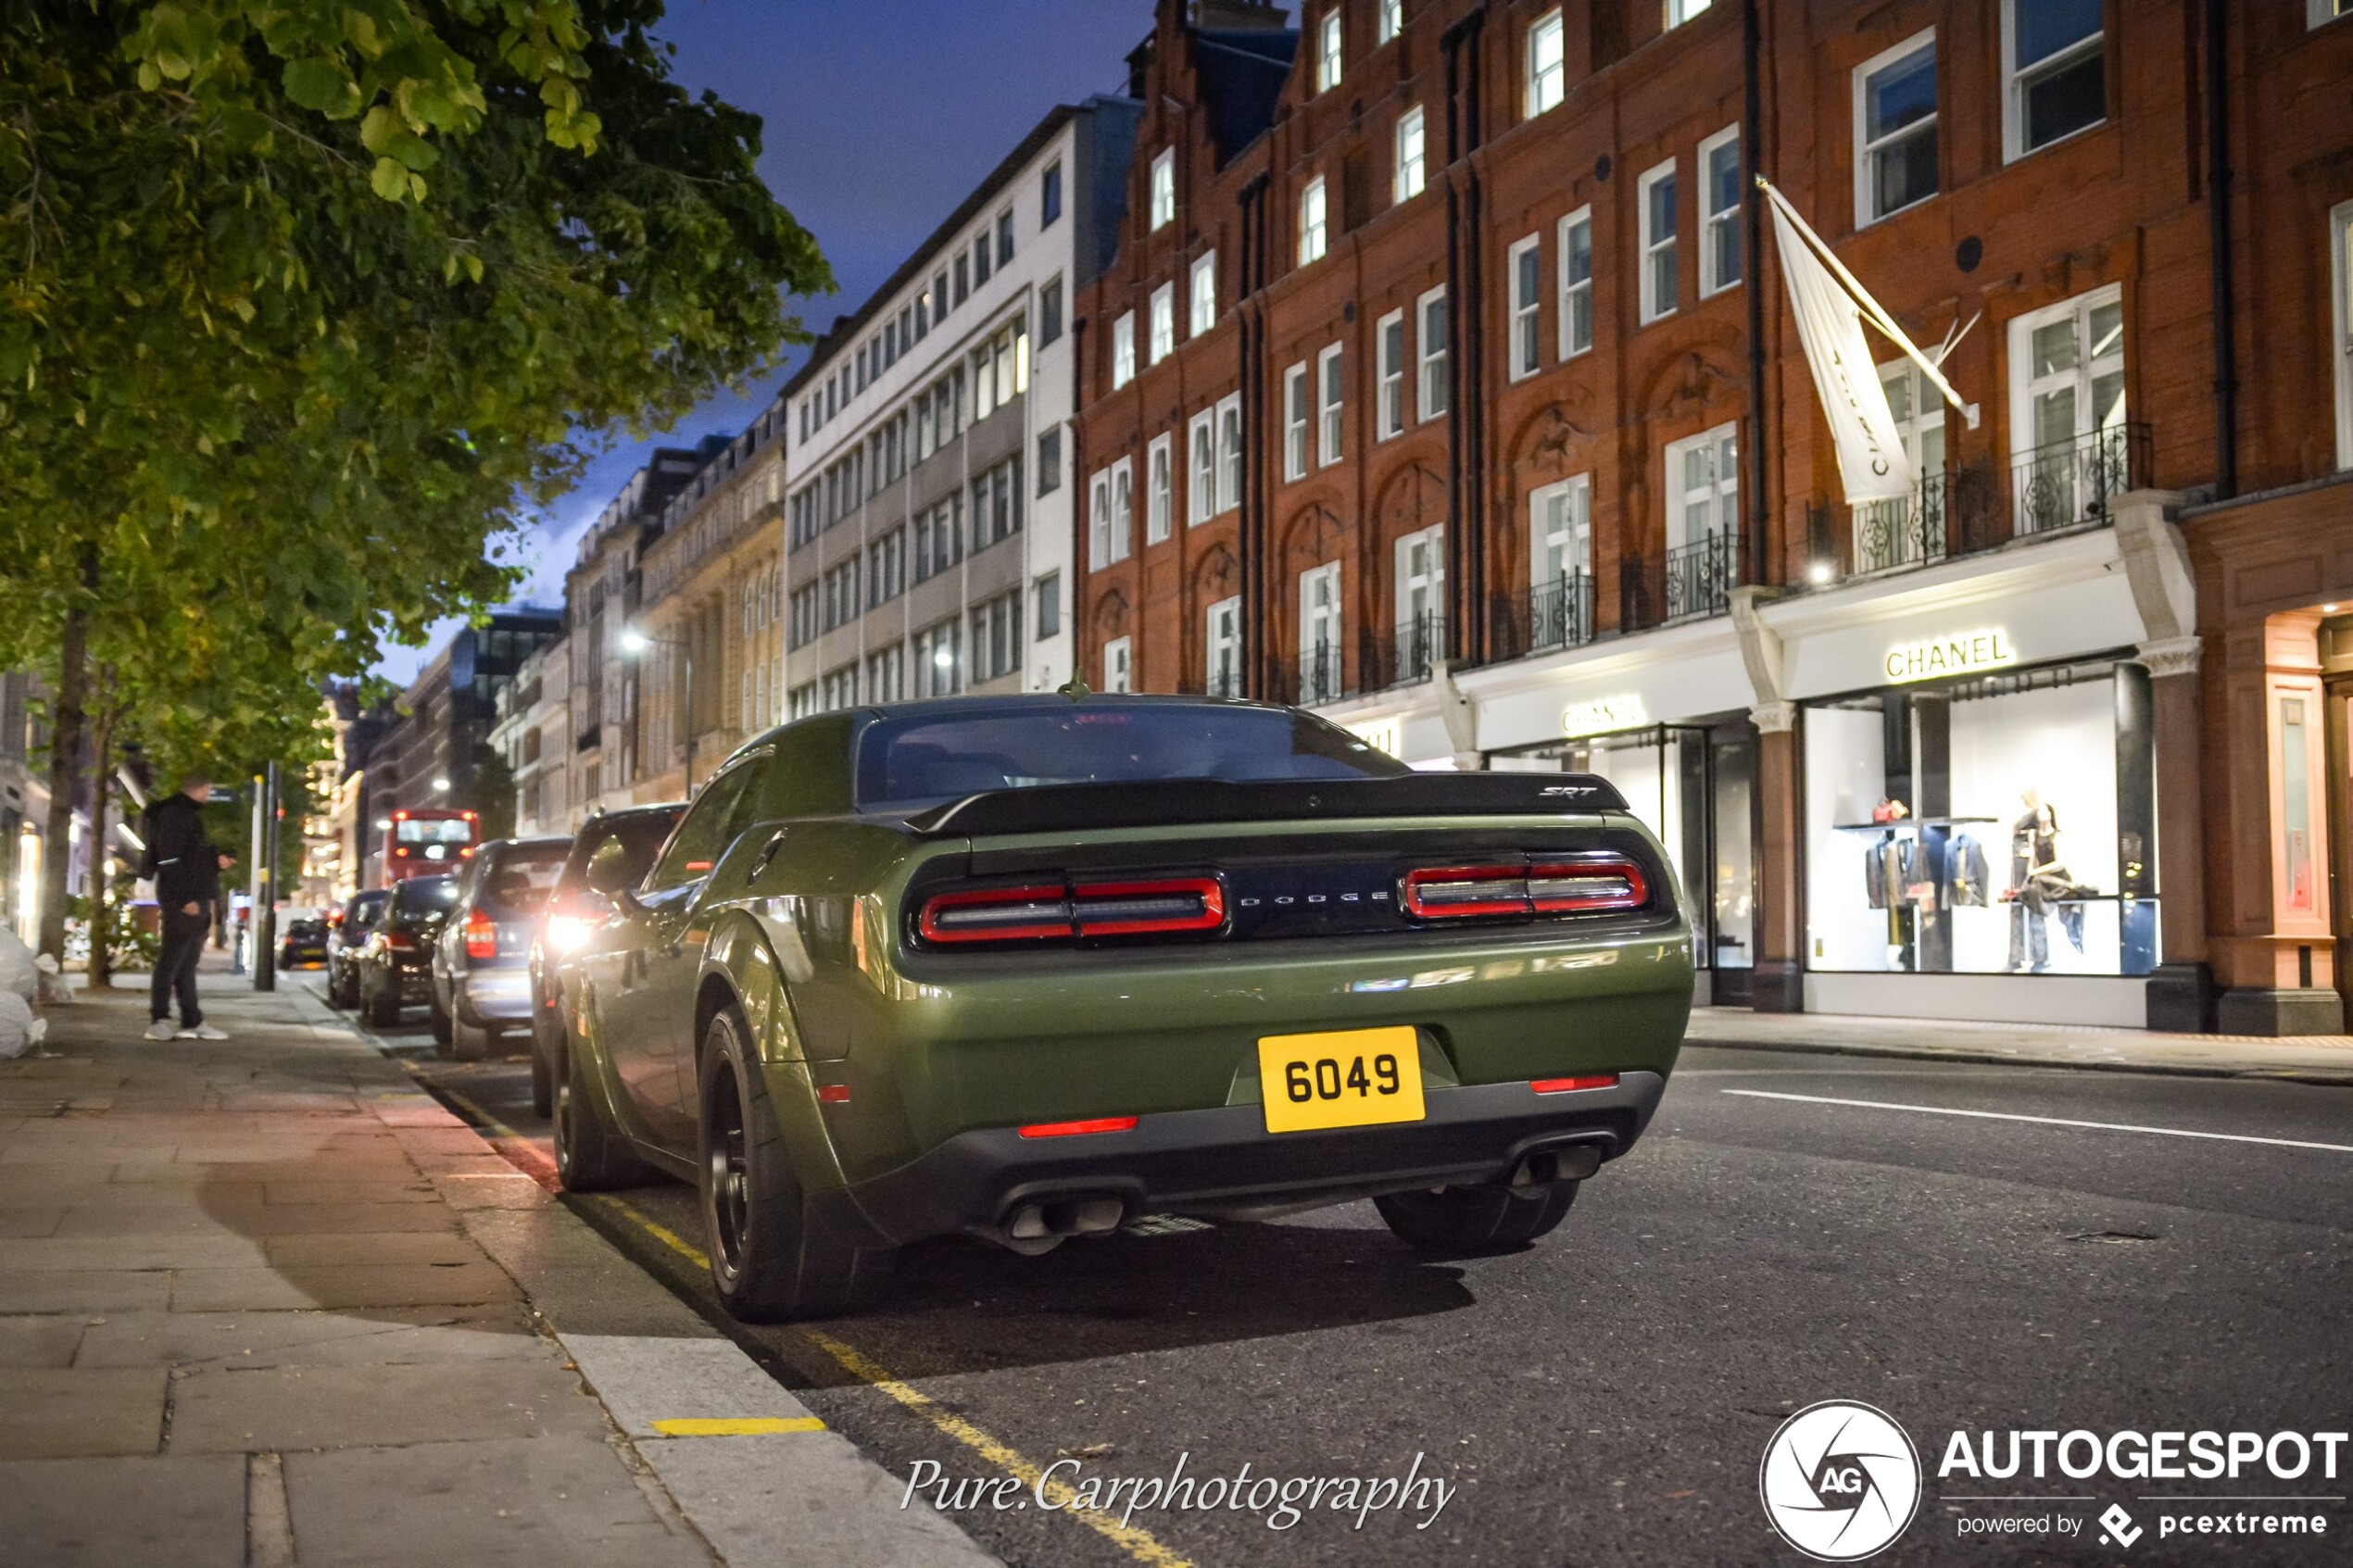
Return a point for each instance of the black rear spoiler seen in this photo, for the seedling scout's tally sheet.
(1181, 802)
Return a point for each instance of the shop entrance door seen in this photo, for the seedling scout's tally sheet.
(2336, 689)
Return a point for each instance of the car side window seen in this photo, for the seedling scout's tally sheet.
(710, 827)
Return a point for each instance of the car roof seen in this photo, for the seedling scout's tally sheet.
(538, 842)
(619, 814)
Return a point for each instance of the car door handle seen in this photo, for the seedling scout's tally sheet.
(767, 853)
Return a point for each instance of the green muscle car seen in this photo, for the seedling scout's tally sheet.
(1028, 967)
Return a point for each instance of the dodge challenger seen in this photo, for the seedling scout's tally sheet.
(1026, 968)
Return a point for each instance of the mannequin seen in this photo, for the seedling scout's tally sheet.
(2035, 869)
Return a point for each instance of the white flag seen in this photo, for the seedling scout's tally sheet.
(1871, 459)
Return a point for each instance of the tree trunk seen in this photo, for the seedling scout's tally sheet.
(65, 766)
(101, 884)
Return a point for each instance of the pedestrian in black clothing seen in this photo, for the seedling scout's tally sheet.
(186, 869)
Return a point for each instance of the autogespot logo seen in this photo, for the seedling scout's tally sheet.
(1840, 1481)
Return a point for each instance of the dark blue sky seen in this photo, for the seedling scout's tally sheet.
(879, 115)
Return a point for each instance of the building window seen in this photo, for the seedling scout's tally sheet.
(1163, 322)
(939, 537)
(1222, 644)
(1560, 533)
(2066, 409)
(1159, 485)
(887, 675)
(1329, 408)
(963, 277)
(1111, 498)
(1327, 62)
(886, 567)
(1295, 422)
(839, 689)
(1122, 350)
(1201, 303)
(1577, 282)
(803, 701)
(2056, 71)
(938, 666)
(1896, 128)
(1719, 211)
(996, 637)
(1388, 342)
(1703, 487)
(1680, 11)
(1311, 221)
(1201, 486)
(1410, 147)
(1049, 462)
(1050, 310)
(981, 267)
(1547, 69)
(1117, 675)
(1050, 195)
(2341, 294)
(1319, 627)
(1526, 268)
(1430, 317)
(1229, 452)
(1421, 600)
(1389, 22)
(1657, 201)
(1163, 188)
(1049, 593)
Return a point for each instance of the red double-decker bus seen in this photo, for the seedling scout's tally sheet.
(426, 841)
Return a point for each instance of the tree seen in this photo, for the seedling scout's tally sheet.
(309, 302)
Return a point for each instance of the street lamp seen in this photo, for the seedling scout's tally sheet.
(441, 787)
(635, 642)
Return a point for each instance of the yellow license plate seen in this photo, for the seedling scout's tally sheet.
(1347, 1078)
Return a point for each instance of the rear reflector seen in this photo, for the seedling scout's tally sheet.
(833, 1094)
(1072, 1129)
(1558, 885)
(1564, 1085)
(1047, 912)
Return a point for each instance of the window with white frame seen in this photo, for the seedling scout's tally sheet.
(1330, 407)
(2066, 409)
(1201, 303)
(1656, 198)
(1122, 350)
(2054, 56)
(1319, 627)
(1525, 266)
(1560, 534)
(1222, 644)
(1719, 211)
(1430, 318)
(1896, 128)
(1158, 486)
(1201, 485)
(1229, 452)
(1577, 282)
(1389, 346)
(1680, 11)
(1421, 599)
(1547, 76)
(2318, 13)
(1312, 236)
(1163, 188)
(1893, 531)
(1109, 499)
(1295, 422)
(1163, 333)
(1328, 60)
(938, 655)
(1118, 674)
(1411, 147)
(1703, 487)
(2341, 313)
(1390, 21)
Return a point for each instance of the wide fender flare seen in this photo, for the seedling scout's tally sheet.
(583, 1031)
(739, 962)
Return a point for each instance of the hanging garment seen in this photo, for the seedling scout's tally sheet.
(1966, 859)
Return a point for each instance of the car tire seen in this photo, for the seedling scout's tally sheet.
(543, 1073)
(773, 1256)
(467, 1042)
(382, 1012)
(442, 1036)
(591, 1155)
(1475, 1222)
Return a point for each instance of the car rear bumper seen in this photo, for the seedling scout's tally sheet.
(1225, 1161)
(494, 996)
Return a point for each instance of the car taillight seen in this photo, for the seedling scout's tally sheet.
(1554, 885)
(400, 941)
(1047, 912)
(1569, 1085)
(482, 936)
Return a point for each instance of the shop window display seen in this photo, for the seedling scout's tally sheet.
(2001, 825)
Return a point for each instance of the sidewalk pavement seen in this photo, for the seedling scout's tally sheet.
(264, 1302)
(2311, 1059)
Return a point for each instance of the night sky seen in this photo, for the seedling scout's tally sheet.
(879, 117)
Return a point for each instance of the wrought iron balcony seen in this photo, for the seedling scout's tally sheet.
(1317, 676)
(2072, 483)
(1410, 654)
(1558, 614)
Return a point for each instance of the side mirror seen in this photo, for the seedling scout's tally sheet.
(610, 870)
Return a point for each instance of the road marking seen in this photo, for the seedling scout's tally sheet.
(2042, 1120)
(1139, 1544)
(516, 1146)
(734, 1425)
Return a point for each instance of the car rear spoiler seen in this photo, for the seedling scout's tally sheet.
(1178, 802)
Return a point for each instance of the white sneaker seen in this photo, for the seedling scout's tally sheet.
(163, 1029)
(202, 1031)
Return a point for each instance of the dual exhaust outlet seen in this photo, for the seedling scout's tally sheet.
(1041, 1225)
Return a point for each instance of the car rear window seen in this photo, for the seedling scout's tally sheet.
(924, 759)
(521, 877)
(424, 893)
(641, 837)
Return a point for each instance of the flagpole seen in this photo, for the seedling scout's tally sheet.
(1869, 306)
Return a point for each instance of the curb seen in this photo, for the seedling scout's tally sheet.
(2330, 1077)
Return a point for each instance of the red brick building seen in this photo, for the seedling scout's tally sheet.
(1446, 381)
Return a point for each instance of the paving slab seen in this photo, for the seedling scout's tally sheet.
(2304, 1058)
(74, 1290)
(55, 1413)
(198, 1340)
(43, 1341)
(287, 1285)
(253, 1218)
(184, 1509)
(346, 1407)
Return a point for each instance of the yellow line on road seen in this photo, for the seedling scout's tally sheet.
(735, 1425)
(1140, 1544)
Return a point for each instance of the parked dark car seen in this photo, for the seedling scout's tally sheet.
(305, 942)
(481, 960)
(392, 965)
(574, 910)
(350, 934)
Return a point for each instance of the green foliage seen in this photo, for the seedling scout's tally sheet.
(306, 304)
(493, 795)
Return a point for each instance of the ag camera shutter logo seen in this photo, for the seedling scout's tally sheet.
(1840, 1481)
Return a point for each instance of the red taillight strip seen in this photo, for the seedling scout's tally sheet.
(1563, 885)
(1171, 904)
(1574, 884)
(1021, 914)
(1072, 1129)
(1440, 892)
(833, 1094)
(1564, 1086)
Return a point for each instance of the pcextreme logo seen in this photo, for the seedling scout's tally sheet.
(1840, 1481)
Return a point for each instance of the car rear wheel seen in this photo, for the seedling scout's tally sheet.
(467, 1042)
(773, 1256)
(591, 1156)
(442, 1034)
(543, 1066)
(1473, 1222)
(382, 1006)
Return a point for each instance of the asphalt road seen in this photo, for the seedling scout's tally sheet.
(1606, 1396)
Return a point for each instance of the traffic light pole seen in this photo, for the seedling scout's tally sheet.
(265, 905)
